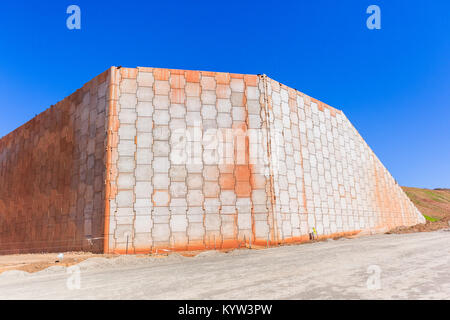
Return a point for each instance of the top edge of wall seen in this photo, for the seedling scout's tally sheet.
(102, 76)
(320, 104)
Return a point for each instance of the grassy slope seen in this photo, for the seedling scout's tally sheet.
(434, 204)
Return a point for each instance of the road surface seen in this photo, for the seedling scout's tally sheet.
(395, 266)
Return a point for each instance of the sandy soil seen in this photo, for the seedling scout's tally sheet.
(40, 261)
(403, 266)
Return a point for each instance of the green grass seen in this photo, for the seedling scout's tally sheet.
(435, 196)
(430, 218)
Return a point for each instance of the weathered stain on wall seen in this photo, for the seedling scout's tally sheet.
(146, 159)
(52, 176)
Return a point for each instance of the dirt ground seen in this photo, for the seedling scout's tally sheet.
(40, 261)
(383, 266)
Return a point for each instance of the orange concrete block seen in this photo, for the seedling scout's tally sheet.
(192, 76)
(161, 74)
(223, 78)
(177, 96)
(227, 181)
(243, 189)
(177, 81)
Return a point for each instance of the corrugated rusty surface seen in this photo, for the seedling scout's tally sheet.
(52, 176)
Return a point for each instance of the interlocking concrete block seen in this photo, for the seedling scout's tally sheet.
(254, 121)
(126, 164)
(237, 85)
(161, 165)
(127, 131)
(224, 120)
(126, 181)
(178, 223)
(161, 117)
(144, 124)
(128, 116)
(161, 87)
(194, 181)
(127, 101)
(144, 108)
(145, 79)
(194, 119)
(212, 222)
(196, 231)
(209, 112)
(125, 198)
(161, 102)
(208, 97)
(144, 140)
(127, 148)
(211, 189)
(143, 172)
(128, 86)
(192, 90)
(227, 197)
(161, 198)
(143, 189)
(195, 197)
(223, 105)
(252, 93)
(177, 111)
(208, 83)
(161, 132)
(161, 181)
(211, 173)
(239, 114)
(160, 232)
(161, 148)
(178, 189)
(178, 173)
(144, 156)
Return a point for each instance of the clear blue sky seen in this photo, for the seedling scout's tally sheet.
(393, 83)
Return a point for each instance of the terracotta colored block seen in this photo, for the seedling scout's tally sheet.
(243, 189)
(236, 76)
(177, 96)
(177, 81)
(176, 72)
(227, 181)
(251, 80)
(222, 78)
(192, 76)
(208, 73)
(242, 173)
(128, 73)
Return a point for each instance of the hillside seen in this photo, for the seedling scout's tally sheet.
(433, 204)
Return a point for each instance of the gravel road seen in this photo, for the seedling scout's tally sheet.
(386, 266)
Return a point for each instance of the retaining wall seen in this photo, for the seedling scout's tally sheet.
(147, 159)
(204, 160)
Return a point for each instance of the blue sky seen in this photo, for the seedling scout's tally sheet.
(393, 84)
